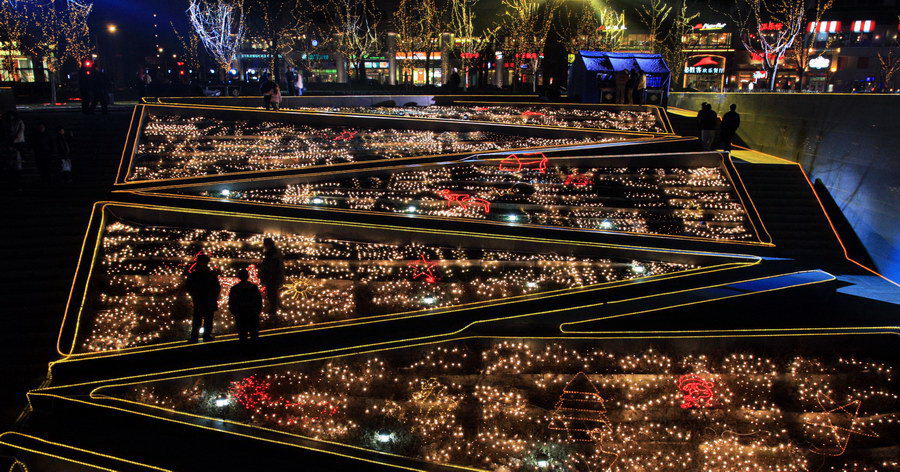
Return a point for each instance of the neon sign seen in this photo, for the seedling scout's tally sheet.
(709, 26)
(705, 65)
(770, 26)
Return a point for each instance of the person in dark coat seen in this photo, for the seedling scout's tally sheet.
(202, 284)
(731, 121)
(267, 89)
(245, 304)
(85, 86)
(707, 120)
(100, 88)
(43, 144)
(271, 274)
(630, 86)
(62, 146)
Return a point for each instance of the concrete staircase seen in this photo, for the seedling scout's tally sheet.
(40, 240)
(790, 211)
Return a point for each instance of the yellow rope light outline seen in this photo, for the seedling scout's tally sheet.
(96, 395)
(67, 459)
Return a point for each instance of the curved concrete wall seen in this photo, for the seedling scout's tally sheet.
(848, 141)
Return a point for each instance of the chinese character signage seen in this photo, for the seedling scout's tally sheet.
(705, 64)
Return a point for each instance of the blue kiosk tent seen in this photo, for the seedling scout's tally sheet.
(594, 72)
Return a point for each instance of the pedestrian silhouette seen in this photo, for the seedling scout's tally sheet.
(245, 304)
(731, 120)
(707, 120)
(202, 284)
(271, 274)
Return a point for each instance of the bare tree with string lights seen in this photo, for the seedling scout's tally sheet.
(220, 26)
(352, 26)
(888, 66)
(593, 27)
(771, 28)
(526, 25)
(470, 44)
(190, 45)
(12, 30)
(654, 14)
(51, 34)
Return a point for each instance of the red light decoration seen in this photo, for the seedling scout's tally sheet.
(577, 180)
(530, 160)
(840, 423)
(345, 136)
(250, 392)
(425, 269)
(193, 264)
(706, 61)
(771, 26)
(698, 392)
(532, 113)
(464, 200)
(581, 413)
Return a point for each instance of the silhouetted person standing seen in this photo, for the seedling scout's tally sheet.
(85, 86)
(621, 86)
(271, 274)
(62, 145)
(245, 304)
(100, 88)
(707, 120)
(731, 121)
(267, 89)
(202, 284)
(630, 86)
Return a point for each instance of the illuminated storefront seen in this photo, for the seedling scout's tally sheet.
(413, 67)
(704, 73)
(15, 66)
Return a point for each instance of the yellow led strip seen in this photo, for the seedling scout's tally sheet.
(66, 446)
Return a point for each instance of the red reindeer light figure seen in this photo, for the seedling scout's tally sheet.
(464, 200)
(529, 160)
(698, 392)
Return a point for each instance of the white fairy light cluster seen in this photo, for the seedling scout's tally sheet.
(499, 407)
(546, 115)
(137, 300)
(689, 201)
(176, 147)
